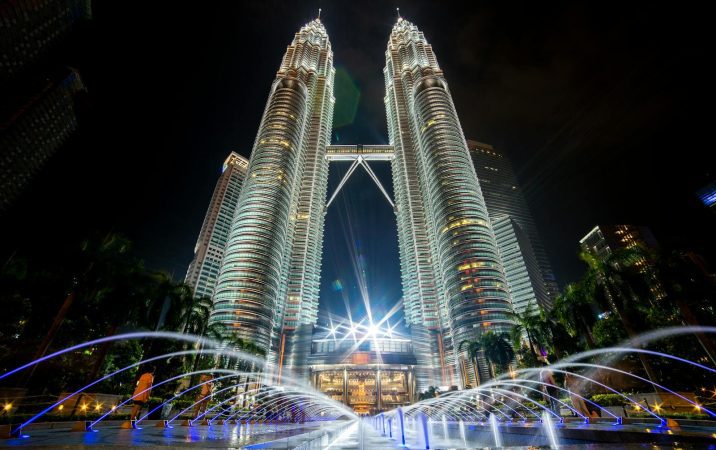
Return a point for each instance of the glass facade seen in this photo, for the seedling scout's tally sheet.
(503, 197)
(522, 270)
(269, 277)
(209, 250)
(366, 373)
(453, 282)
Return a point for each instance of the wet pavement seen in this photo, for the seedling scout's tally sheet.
(338, 435)
(110, 435)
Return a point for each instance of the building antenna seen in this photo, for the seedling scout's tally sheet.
(319, 14)
(398, 10)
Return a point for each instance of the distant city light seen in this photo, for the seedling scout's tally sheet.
(707, 195)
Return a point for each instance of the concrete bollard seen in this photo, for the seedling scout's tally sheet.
(82, 425)
(9, 431)
(129, 425)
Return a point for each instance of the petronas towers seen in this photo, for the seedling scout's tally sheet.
(267, 290)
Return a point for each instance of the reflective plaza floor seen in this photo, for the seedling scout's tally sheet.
(341, 435)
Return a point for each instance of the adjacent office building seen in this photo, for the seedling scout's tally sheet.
(37, 94)
(33, 128)
(209, 250)
(604, 240)
(504, 199)
(29, 28)
(522, 270)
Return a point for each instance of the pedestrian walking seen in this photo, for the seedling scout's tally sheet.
(141, 393)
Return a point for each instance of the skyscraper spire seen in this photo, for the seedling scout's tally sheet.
(319, 14)
(398, 11)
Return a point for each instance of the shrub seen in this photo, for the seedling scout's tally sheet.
(609, 400)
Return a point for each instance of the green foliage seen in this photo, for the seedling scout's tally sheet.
(608, 332)
(609, 400)
(639, 290)
(432, 392)
(122, 354)
(95, 289)
(494, 347)
(526, 358)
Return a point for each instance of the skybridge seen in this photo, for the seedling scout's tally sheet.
(360, 155)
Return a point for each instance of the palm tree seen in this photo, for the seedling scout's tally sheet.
(432, 392)
(573, 309)
(611, 278)
(94, 271)
(558, 339)
(244, 365)
(473, 350)
(687, 286)
(196, 316)
(495, 347)
(530, 325)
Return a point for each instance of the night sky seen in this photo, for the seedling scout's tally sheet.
(605, 110)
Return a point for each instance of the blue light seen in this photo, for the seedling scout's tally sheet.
(708, 195)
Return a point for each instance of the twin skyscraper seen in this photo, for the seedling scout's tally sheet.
(454, 287)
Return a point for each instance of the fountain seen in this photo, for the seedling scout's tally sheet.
(258, 404)
(423, 431)
(462, 432)
(549, 429)
(572, 414)
(494, 426)
(291, 398)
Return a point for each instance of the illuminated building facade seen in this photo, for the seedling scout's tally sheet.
(453, 282)
(454, 288)
(370, 372)
(209, 250)
(268, 284)
(503, 197)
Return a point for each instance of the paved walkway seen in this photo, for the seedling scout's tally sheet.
(347, 435)
(109, 435)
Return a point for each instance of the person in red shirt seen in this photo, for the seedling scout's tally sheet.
(141, 393)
